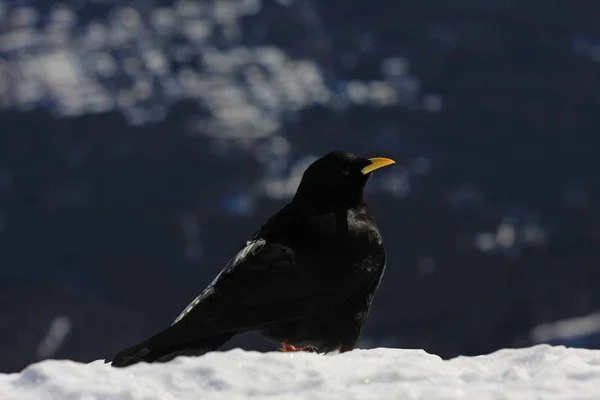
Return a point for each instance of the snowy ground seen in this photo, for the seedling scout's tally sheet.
(540, 372)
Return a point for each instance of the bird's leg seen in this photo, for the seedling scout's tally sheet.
(288, 348)
(285, 348)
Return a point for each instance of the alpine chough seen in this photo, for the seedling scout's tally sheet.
(306, 278)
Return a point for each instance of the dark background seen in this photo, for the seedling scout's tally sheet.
(129, 173)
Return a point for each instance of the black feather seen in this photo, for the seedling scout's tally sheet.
(306, 277)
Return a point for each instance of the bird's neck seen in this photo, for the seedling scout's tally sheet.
(331, 203)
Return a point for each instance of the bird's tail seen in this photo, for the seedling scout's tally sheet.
(134, 354)
(142, 353)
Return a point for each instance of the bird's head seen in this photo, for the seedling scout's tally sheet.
(338, 177)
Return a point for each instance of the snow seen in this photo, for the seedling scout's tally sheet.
(141, 61)
(570, 328)
(539, 372)
(54, 61)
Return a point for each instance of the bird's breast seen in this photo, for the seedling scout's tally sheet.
(363, 228)
(334, 240)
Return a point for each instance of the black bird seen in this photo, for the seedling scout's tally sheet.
(306, 278)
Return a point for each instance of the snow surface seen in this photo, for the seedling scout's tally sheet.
(539, 372)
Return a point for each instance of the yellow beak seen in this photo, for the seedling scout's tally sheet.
(377, 163)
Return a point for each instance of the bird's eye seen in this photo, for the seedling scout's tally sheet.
(346, 172)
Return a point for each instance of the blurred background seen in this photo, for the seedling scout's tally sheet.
(142, 142)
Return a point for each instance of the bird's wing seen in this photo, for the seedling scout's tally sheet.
(249, 250)
(260, 284)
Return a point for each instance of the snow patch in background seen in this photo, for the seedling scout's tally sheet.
(140, 61)
(567, 329)
(540, 372)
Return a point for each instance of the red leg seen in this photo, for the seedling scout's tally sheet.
(343, 349)
(288, 348)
